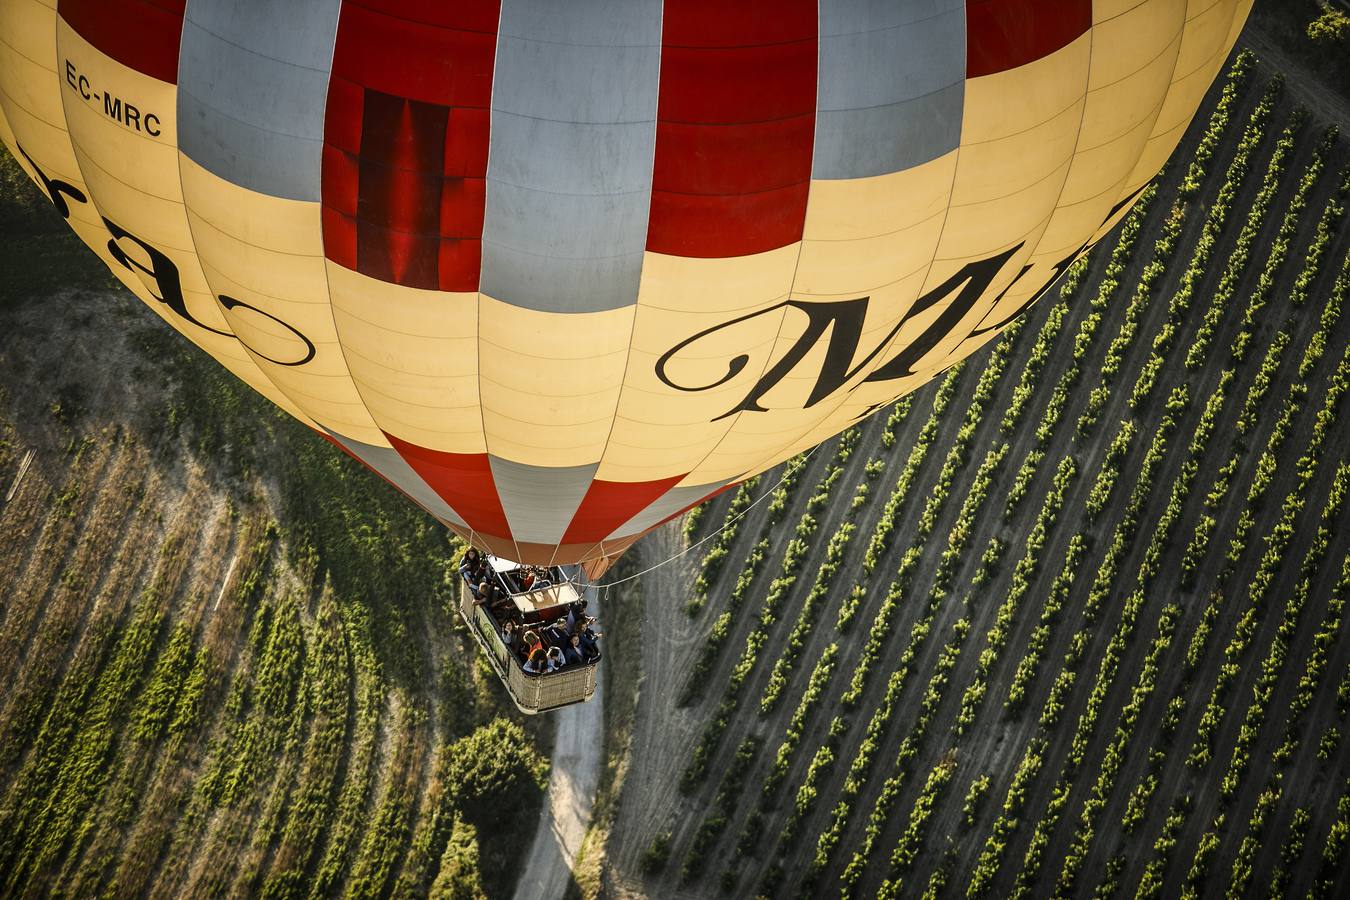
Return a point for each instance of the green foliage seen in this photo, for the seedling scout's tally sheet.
(1257, 213)
(491, 769)
(1331, 28)
(459, 877)
(654, 858)
(974, 800)
(1211, 231)
(711, 566)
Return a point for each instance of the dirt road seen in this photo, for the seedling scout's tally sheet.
(572, 783)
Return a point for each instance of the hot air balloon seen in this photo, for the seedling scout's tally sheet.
(560, 271)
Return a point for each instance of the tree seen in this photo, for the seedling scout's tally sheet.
(492, 769)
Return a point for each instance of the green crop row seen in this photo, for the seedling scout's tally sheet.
(1333, 850)
(1215, 221)
(711, 566)
(890, 513)
(1024, 572)
(1315, 668)
(911, 839)
(1040, 351)
(1276, 543)
(1274, 663)
(696, 682)
(806, 620)
(1111, 660)
(1242, 866)
(1236, 80)
(779, 589)
(1257, 214)
(890, 788)
(1265, 376)
(1325, 233)
(1330, 313)
(1163, 248)
(990, 857)
(1038, 641)
(1290, 852)
(723, 807)
(899, 412)
(310, 806)
(1109, 470)
(1114, 757)
(1279, 249)
(815, 690)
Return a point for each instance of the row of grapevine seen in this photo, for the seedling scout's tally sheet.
(712, 562)
(1257, 214)
(1215, 222)
(1166, 242)
(793, 557)
(1279, 249)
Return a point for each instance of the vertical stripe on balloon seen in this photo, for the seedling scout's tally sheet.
(251, 93)
(570, 178)
(735, 127)
(609, 504)
(1006, 34)
(140, 34)
(463, 480)
(892, 82)
(406, 141)
(539, 501)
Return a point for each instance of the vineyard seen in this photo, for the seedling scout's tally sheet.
(1066, 622)
(230, 662)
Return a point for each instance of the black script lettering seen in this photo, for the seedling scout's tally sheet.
(55, 188)
(231, 303)
(970, 283)
(161, 270)
(843, 321)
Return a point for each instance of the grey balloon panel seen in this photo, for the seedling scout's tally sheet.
(860, 143)
(586, 23)
(583, 159)
(540, 502)
(255, 116)
(668, 504)
(387, 462)
(561, 285)
(300, 32)
(571, 144)
(892, 85)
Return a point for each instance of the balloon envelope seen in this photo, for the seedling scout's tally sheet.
(560, 271)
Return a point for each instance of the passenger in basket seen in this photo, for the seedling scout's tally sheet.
(555, 659)
(575, 613)
(589, 638)
(573, 653)
(509, 636)
(530, 642)
(537, 663)
(472, 568)
(525, 577)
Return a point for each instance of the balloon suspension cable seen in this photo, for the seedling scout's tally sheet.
(724, 527)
